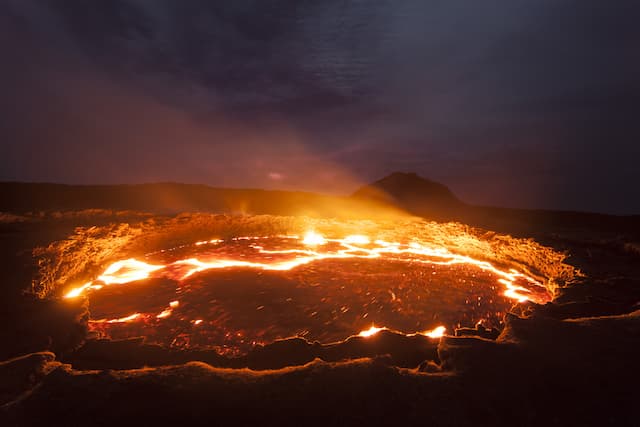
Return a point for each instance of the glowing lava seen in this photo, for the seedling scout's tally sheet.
(435, 332)
(127, 271)
(313, 239)
(283, 275)
(353, 246)
(370, 332)
(125, 319)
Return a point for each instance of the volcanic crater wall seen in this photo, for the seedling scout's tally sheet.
(87, 251)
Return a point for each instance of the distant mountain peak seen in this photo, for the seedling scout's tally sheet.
(412, 192)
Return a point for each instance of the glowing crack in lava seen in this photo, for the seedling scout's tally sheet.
(234, 294)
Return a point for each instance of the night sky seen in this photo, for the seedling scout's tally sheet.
(519, 103)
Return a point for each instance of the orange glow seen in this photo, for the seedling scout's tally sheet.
(352, 246)
(165, 313)
(290, 253)
(370, 332)
(205, 242)
(435, 332)
(357, 239)
(120, 272)
(126, 271)
(130, 318)
(168, 311)
(75, 292)
(313, 239)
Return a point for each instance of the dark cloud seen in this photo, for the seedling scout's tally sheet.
(525, 103)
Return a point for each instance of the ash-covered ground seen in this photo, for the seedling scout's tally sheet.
(572, 361)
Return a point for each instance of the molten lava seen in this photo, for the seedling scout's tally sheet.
(234, 294)
(370, 332)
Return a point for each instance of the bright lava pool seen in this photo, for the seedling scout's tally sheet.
(233, 294)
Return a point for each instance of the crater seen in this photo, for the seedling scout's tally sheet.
(231, 294)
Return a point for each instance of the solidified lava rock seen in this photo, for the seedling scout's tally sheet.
(21, 374)
(537, 371)
(401, 350)
(35, 325)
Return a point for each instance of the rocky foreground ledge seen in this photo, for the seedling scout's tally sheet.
(540, 371)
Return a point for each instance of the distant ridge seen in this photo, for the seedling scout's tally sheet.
(393, 196)
(434, 201)
(173, 198)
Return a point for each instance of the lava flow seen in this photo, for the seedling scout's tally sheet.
(234, 294)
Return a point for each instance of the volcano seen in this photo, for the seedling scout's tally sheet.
(245, 305)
